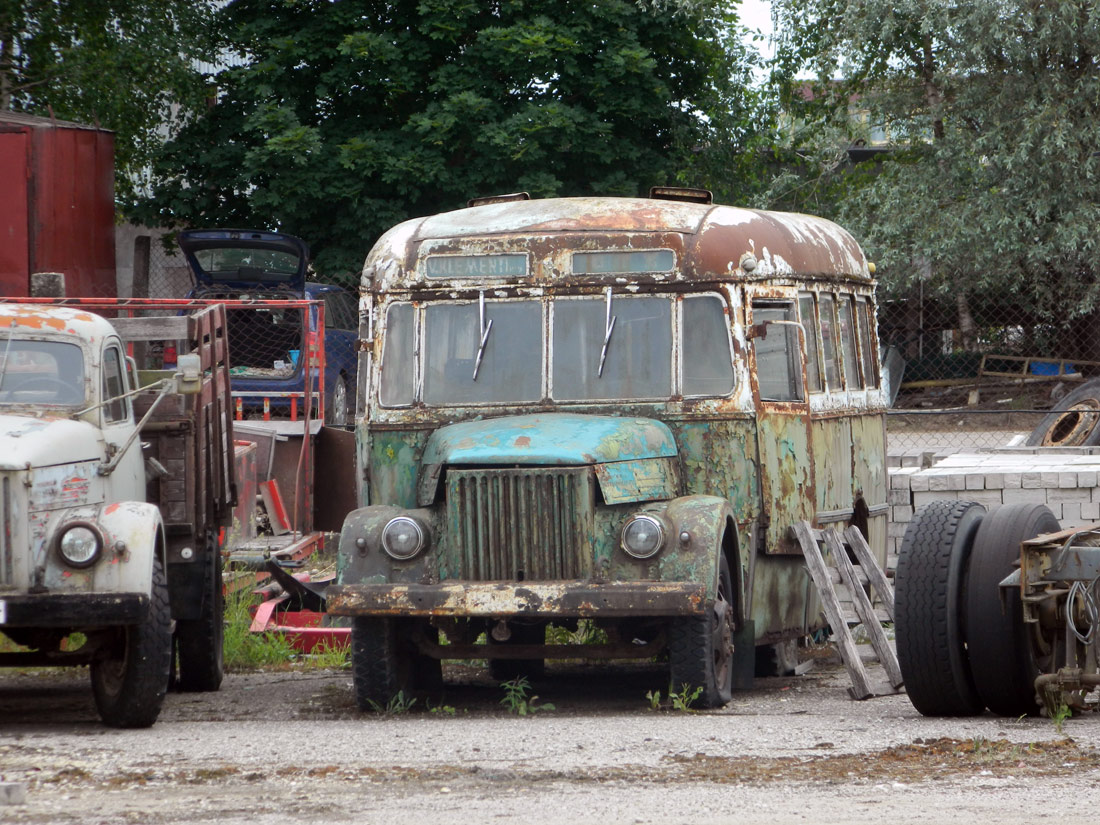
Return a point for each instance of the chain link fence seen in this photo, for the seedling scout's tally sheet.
(985, 373)
(267, 341)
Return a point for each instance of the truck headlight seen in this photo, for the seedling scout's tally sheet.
(402, 538)
(642, 536)
(79, 545)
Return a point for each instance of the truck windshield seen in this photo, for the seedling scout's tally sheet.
(41, 372)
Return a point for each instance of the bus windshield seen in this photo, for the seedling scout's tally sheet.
(603, 348)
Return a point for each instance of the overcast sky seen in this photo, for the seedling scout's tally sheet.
(757, 14)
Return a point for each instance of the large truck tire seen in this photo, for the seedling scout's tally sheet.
(999, 644)
(200, 642)
(1073, 422)
(700, 648)
(929, 587)
(130, 681)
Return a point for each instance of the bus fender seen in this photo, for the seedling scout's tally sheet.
(702, 530)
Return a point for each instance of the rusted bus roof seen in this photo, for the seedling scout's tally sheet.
(32, 318)
(783, 244)
(716, 240)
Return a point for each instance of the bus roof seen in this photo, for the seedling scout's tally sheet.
(714, 242)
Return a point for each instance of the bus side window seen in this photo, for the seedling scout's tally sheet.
(813, 357)
(852, 378)
(778, 354)
(707, 365)
(396, 384)
(828, 340)
(866, 342)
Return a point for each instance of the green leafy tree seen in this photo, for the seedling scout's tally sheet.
(991, 193)
(348, 117)
(126, 65)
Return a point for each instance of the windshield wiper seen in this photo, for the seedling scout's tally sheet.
(485, 328)
(609, 327)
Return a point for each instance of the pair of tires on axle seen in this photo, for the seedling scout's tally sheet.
(962, 642)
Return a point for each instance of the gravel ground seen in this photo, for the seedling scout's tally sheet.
(290, 747)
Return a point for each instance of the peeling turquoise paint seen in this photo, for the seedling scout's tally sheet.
(394, 460)
(550, 439)
(644, 479)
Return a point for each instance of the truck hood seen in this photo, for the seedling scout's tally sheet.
(549, 439)
(41, 442)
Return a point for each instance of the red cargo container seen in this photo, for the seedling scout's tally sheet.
(57, 205)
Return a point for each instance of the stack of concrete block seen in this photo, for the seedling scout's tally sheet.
(1065, 479)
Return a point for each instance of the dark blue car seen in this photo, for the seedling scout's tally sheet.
(266, 341)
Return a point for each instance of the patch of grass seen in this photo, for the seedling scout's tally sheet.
(516, 698)
(397, 705)
(1059, 715)
(328, 656)
(8, 646)
(245, 650)
(681, 700)
(587, 633)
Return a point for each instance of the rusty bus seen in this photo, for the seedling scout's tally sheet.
(612, 410)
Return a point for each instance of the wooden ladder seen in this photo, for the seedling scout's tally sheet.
(809, 540)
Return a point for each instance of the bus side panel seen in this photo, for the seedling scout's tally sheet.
(785, 603)
(832, 452)
(869, 451)
(719, 459)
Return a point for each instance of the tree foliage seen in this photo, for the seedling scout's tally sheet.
(347, 117)
(125, 65)
(993, 110)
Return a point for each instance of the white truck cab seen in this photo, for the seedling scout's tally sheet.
(82, 548)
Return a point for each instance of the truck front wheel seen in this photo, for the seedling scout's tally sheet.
(700, 648)
(129, 681)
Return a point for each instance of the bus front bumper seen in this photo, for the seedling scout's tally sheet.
(571, 599)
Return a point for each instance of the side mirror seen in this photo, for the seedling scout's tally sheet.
(188, 374)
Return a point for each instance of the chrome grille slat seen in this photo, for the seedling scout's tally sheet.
(530, 523)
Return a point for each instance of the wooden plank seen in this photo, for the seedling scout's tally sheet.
(162, 328)
(871, 569)
(861, 688)
(864, 610)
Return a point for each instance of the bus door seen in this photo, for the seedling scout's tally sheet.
(782, 420)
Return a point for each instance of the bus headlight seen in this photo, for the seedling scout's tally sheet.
(79, 545)
(643, 536)
(402, 538)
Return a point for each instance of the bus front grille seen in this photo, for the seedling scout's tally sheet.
(520, 524)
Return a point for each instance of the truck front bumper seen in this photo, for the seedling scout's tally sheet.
(75, 610)
(570, 599)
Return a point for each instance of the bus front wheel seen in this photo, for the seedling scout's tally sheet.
(700, 648)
